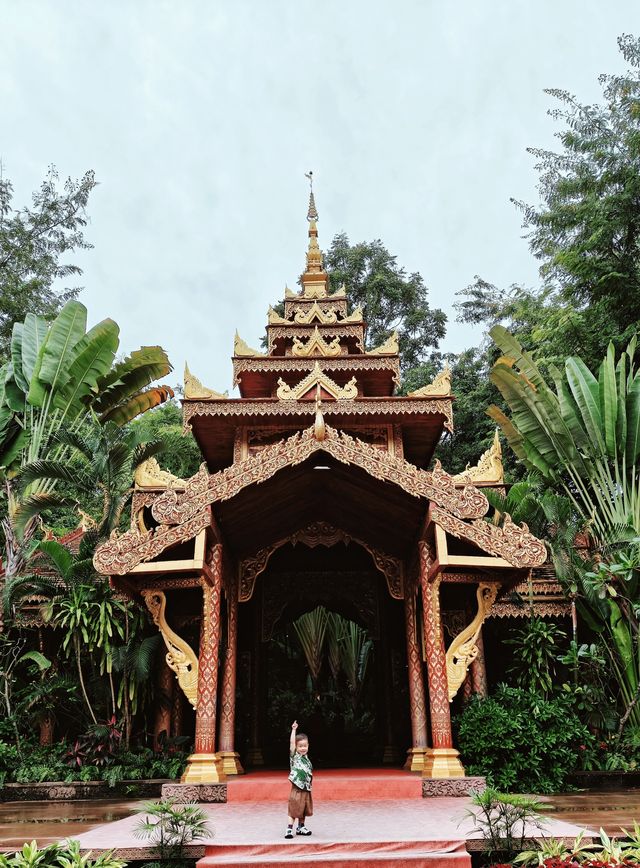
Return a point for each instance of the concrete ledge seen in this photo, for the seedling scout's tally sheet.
(59, 791)
(195, 792)
(451, 786)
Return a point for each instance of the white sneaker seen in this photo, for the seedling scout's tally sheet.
(289, 832)
(302, 830)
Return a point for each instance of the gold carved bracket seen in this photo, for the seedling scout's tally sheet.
(316, 346)
(181, 657)
(463, 650)
(439, 388)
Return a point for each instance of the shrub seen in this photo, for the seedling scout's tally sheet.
(58, 855)
(521, 741)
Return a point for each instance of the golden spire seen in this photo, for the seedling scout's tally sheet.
(315, 280)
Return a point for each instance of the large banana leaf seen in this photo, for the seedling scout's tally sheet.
(66, 331)
(92, 358)
(16, 356)
(131, 376)
(33, 335)
(138, 404)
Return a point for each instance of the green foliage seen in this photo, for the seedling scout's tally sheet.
(536, 649)
(505, 821)
(520, 740)
(33, 241)
(389, 297)
(311, 629)
(58, 855)
(164, 423)
(169, 827)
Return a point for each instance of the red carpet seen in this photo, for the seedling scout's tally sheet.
(329, 785)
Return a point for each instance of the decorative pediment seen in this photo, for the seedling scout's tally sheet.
(149, 474)
(274, 318)
(388, 348)
(341, 292)
(488, 470)
(316, 346)
(439, 388)
(240, 348)
(193, 388)
(326, 316)
(289, 293)
(316, 378)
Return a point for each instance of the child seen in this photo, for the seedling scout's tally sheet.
(300, 801)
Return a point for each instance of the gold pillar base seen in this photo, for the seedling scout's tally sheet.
(415, 759)
(254, 757)
(203, 768)
(230, 760)
(442, 762)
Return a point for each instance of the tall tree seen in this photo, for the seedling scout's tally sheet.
(33, 242)
(390, 298)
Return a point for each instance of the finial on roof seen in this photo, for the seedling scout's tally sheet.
(312, 213)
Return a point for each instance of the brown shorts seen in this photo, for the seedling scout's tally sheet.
(300, 803)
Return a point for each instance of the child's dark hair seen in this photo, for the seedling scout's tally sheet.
(301, 737)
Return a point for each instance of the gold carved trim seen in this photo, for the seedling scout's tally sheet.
(439, 388)
(242, 349)
(289, 293)
(326, 316)
(463, 650)
(316, 346)
(386, 407)
(315, 534)
(317, 377)
(274, 318)
(388, 348)
(510, 541)
(355, 317)
(149, 474)
(341, 292)
(180, 657)
(274, 364)
(193, 388)
(489, 468)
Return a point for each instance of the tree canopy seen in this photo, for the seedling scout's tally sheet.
(33, 242)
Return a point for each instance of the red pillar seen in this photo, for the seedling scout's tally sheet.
(230, 759)
(204, 766)
(417, 705)
(479, 669)
(441, 760)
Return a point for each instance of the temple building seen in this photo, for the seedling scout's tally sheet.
(315, 490)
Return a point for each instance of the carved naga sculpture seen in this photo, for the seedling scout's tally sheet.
(463, 650)
(181, 657)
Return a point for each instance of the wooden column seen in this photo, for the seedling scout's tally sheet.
(391, 755)
(164, 702)
(254, 756)
(204, 766)
(479, 669)
(417, 706)
(441, 760)
(230, 758)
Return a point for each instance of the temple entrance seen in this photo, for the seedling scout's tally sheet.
(331, 655)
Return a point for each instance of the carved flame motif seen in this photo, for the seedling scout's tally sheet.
(324, 315)
(149, 474)
(316, 346)
(193, 388)
(488, 469)
(241, 348)
(181, 657)
(439, 388)
(463, 650)
(388, 348)
(317, 377)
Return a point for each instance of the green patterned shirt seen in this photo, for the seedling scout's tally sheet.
(301, 770)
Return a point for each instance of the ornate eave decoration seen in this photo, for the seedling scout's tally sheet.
(389, 348)
(463, 649)
(149, 474)
(488, 470)
(289, 293)
(242, 349)
(317, 377)
(341, 292)
(325, 316)
(276, 364)
(354, 317)
(316, 346)
(315, 534)
(274, 318)
(439, 388)
(193, 388)
(514, 543)
(386, 407)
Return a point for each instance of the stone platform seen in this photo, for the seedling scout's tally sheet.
(356, 823)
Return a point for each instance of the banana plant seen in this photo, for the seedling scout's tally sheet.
(57, 374)
(311, 629)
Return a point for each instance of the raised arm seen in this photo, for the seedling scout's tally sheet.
(292, 740)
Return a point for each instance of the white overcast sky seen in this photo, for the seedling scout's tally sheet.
(200, 119)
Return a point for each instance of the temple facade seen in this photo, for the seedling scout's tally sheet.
(315, 489)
